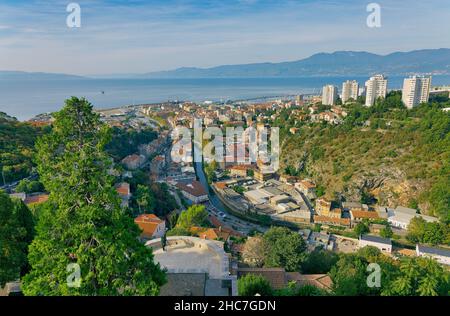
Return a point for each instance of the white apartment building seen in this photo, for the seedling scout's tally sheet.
(416, 90)
(329, 95)
(440, 255)
(350, 90)
(384, 244)
(376, 87)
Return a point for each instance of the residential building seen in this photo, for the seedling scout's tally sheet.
(298, 214)
(441, 255)
(321, 281)
(359, 215)
(376, 87)
(212, 233)
(240, 170)
(382, 212)
(123, 189)
(326, 220)
(329, 95)
(193, 191)
(323, 207)
(279, 278)
(151, 226)
(31, 199)
(416, 90)
(317, 239)
(133, 162)
(402, 216)
(263, 175)
(350, 90)
(275, 276)
(384, 244)
(348, 206)
(307, 188)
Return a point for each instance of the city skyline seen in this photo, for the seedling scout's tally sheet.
(117, 37)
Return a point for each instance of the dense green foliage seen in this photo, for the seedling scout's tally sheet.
(29, 186)
(408, 276)
(195, 215)
(361, 229)
(210, 169)
(127, 141)
(420, 231)
(283, 249)
(82, 223)
(154, 198)
(407, 151)
(16, 233)
(250, 285)
(16, 148)
(386, 232)
(319, 262)
(419, 277)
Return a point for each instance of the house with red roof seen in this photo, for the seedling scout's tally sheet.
(151, 225)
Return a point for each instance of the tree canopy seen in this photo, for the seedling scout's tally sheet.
(250, 285)
(195, 215)
(16, 232)
(82, 222)
(284, 249)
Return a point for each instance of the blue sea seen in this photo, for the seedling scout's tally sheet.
(27, 98)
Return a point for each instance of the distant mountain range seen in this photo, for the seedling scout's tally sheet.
(435, 61)
(341, 63)
(21, 75)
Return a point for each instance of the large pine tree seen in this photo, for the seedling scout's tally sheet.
(82, 223)
(16, 232)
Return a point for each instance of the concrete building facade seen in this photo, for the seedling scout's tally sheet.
(416, 90)
(329, 95)
(350, 90)
(376, 87)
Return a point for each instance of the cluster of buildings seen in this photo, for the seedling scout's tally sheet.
(31, 199)
(416, 90)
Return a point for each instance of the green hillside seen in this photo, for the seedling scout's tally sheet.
(384, 155)
(16, 147)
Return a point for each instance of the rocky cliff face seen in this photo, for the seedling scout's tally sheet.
(347, 174)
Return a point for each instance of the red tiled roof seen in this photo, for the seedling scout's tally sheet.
(123, 188)
(321, 281)
(307, 184)
(220, 185)
(36, 199)
(148, 223)
(194, 188)
(364, 214)
(131, 158)
(331, 220)
(275, 276)
(210, 233)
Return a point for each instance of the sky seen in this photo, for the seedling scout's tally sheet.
(135, 36)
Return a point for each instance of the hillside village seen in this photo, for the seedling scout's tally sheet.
(242, 200)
